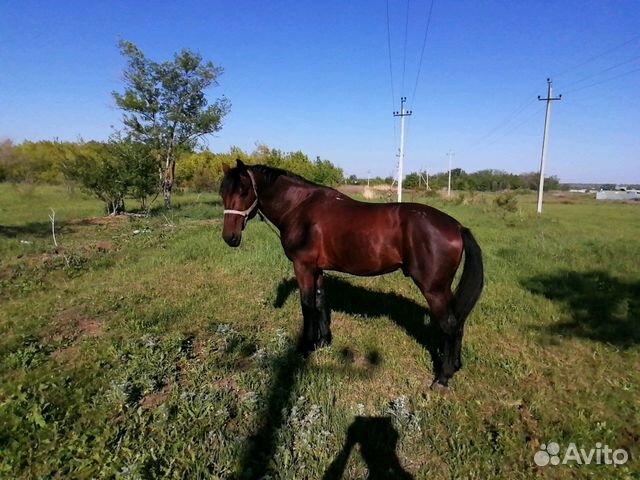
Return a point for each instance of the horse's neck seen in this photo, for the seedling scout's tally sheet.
(280, 197)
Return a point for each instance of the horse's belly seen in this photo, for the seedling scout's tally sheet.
(361, 254)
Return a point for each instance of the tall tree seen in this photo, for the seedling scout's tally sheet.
(166, 107)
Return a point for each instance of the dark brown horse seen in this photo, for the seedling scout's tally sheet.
(323, 229)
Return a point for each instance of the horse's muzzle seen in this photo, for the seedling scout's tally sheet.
(233, 240)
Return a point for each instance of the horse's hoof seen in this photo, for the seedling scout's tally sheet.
(304, 350)
(436, 386)
(323, 342)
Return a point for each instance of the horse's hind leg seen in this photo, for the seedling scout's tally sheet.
(324, 312)
(446, 361)
(440, 304)
(458, 347)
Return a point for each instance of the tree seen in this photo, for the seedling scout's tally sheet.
(411, 181)
(7, 152)
(91, 167)
(166, 107)
(112, 171)
(136, 167)
(326, 173)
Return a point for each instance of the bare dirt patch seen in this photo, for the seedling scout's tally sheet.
(109, 220)
(90, 327)
(200, 349)
(228, 384)
(530, 425)
(6, 273)
(67, 355)
(71, 325)
(103, 246)
(155, 399)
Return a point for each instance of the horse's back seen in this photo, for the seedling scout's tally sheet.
(374, 238)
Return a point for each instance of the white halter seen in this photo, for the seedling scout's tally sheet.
(247, 212)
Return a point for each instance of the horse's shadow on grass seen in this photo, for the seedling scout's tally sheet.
(343, 296)
(602, 308)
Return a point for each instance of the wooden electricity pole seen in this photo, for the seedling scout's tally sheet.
(450, 154)
(402, 113)
(545, 135)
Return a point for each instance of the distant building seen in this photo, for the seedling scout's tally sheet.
(620, 193)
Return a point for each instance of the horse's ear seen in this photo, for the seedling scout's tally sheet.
(225, 168)
(240, 163)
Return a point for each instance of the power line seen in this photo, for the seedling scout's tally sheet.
(590, 59)
(525, 121)
(520, 110)
(512, 116)
(513, 129)
(404, 61)
(603, 71)
(502, 124)
(604, 81)
(424, 44)
(393, 94)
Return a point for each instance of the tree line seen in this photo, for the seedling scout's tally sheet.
(121, 168)
(487, 180)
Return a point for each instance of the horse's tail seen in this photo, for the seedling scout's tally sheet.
(472, 279)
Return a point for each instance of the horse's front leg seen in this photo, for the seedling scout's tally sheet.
(306, 277)
(324, 312)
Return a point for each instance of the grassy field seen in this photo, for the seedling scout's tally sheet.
(147, 348)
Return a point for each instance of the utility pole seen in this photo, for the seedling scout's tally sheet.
(422, 178)
(449, 154)
(543, 158)
(402, 113)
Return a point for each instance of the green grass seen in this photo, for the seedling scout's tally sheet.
(147, 348)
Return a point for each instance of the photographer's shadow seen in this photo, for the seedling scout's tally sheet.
(378, 440)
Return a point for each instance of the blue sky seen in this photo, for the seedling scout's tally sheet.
(315, 76)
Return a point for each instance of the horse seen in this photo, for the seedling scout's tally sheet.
(322, 229)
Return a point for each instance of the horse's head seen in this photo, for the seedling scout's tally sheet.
(239, 199)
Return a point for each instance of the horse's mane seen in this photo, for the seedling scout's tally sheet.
(271, 174)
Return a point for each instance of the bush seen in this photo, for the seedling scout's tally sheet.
(204, 181)
(112, 171)
(507, 201)
(200, 171)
